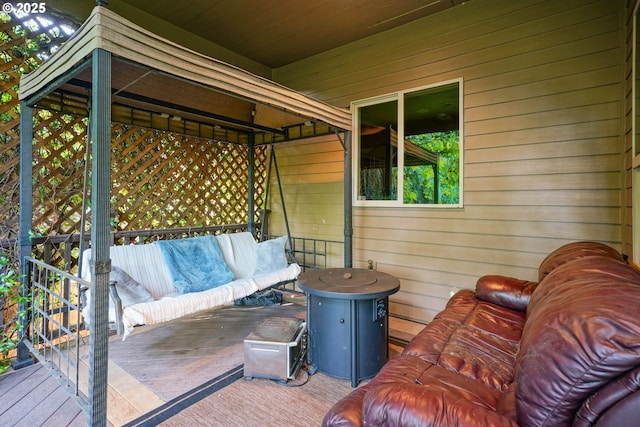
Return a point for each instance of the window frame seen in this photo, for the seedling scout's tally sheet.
(399, 97)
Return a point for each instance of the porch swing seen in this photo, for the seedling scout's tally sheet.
(122, 63)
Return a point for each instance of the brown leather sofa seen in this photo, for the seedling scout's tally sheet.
(563, 351)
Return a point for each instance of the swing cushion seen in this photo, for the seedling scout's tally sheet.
(145, 264)
(270, 255)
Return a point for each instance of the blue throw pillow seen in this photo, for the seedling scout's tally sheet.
(270, 256)
(196, 264)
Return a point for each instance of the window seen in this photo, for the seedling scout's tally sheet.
(408, 147)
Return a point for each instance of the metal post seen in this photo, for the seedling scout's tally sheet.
(85, 193)
(263, 225)
(284, 208)
(100, 231)
(348, 202)
(436, 183)
(26, 223)
(250, 183)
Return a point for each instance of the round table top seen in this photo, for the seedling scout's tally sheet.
(348, 283)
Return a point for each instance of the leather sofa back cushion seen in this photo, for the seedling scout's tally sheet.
(573, 251)
(581, 332)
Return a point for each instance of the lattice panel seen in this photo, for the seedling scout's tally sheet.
(160, 179)
(164, 180)
(58, 170)
(24, 45)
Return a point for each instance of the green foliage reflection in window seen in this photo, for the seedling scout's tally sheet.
(408, 147)
(436, 183)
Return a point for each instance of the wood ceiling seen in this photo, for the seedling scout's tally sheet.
(278, 32)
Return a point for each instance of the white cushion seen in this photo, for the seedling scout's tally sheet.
(179, 305)
(270, 255)
(144, 263)
(242, 258)
(129, 291)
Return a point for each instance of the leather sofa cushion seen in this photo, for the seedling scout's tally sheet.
(437, 397)
(474, 338)
(582, 330)
(577, 361)
(401, 369)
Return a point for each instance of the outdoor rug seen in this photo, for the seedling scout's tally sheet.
(230, 401)
(188, 399)
(257, 402)
(195, 365)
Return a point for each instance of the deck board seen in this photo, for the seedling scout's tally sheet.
(31, 396)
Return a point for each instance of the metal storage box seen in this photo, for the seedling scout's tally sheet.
(276, 349)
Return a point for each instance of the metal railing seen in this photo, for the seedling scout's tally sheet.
(314, 254)
(62, 251)
(53, 331)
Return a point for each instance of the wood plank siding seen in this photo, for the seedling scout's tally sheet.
(312, 176)
(544, 144)
(627, 231)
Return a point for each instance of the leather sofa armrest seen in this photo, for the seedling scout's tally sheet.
(615, 404)
(505, 291)
(348, 411)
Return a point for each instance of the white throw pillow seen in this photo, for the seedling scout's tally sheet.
(130, 291)
(270, 256)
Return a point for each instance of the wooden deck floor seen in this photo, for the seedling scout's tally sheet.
(31, 397)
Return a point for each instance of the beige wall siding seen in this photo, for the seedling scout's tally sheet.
(627, 131)
(542, 133)
(312, 177)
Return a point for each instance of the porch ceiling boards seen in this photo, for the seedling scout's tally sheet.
(166, 79)
(275, 33)
(272, 33)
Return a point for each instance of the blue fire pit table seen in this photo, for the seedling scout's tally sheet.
(347, 320)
